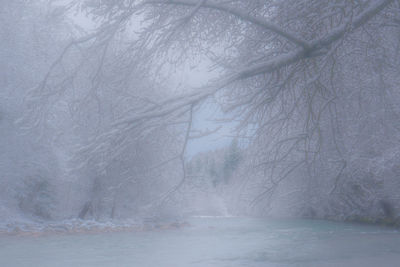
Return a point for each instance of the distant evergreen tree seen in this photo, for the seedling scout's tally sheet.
(213, 173)
(199, 165)
(189, 168)
(231, 160)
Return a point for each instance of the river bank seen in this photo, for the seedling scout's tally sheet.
(83, 227)
(363, 220)
(75, 226)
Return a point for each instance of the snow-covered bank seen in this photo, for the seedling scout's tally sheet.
(84, 227)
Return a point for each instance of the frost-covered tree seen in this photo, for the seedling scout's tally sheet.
(29, 42)
(297, 74)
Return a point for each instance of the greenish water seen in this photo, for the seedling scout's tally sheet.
(214, 242)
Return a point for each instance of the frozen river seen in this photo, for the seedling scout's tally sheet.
(213, 242)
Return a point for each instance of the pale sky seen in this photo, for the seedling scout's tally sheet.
(195, 75)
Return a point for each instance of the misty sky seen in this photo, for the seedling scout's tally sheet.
(194, 75)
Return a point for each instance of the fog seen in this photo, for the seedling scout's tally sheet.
(199, 133)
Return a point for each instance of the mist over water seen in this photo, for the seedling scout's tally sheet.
(215, 241)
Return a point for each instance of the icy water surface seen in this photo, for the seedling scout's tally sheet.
(213, 242)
